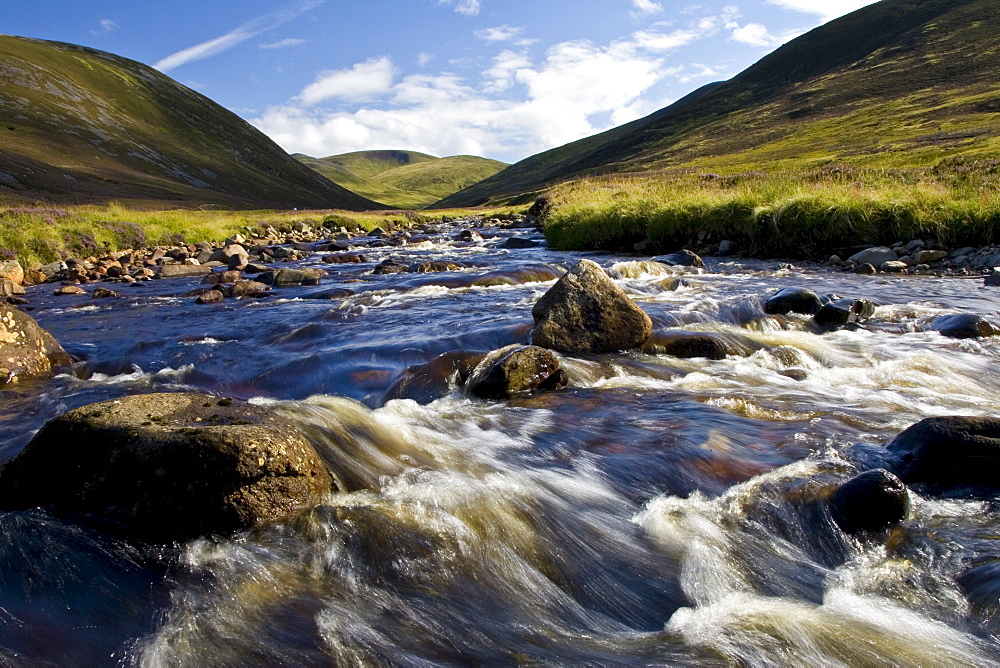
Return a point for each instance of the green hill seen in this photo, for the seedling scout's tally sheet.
(897, 83)
(403, 179)
(80, 125)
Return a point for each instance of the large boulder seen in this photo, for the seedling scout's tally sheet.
(516, 370)
(871, 501)
(26, 350)
(793, 300)
(166, 467)
(585, 311)
(963, 326)
(12, 271)
(949, 452)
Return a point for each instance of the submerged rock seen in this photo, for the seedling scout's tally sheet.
(435, 266)
(949, 452)
(682, 258)
(168, 467)
(871, 501)
(585, 311)
(843, 311)
(963, 326)
(516, 370)
(26, 350)
(519, 242)
(424, 383)
(210, 297)
(793, 300)
(690, 344)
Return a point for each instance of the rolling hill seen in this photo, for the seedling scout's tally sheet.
(897, 83)
(79, 126)
(403, 179)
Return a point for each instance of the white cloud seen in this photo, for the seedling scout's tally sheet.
(235, 37)
(647, 7)
(362, 82)
(283, 44)
(424, 59)
(756, 34)
(107, 25)
(828, 9)
(467, 7)
(518, 106)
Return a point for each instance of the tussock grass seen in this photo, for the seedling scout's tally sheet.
(43, 233)
(806, 214)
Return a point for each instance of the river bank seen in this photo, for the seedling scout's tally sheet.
(657, 509)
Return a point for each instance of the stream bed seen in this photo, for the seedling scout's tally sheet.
(657, 511)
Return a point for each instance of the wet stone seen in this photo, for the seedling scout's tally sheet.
(424, 383)
(104, 293)
(210, 297)
(435, 266)
(682, 258)
(872, 501)
(874, 256)
(519, 242)
(840, 312)
(963, 326)
(516, 370)
(793, 300)
(247, 289)
(343, 258)
(585, 311)
(283, 278)
(949, 452)
(69, 290)
(167, 467)
(26, 350)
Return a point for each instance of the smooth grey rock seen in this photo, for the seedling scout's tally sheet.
(793, 300)
(949, 452)
(682, 258)
(874, 256)
(963, 326)
(841, 312)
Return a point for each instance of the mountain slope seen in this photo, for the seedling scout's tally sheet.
(900, 82)
(403, 179)
(82, 125)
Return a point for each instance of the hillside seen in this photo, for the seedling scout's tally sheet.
(403, 179)
(80, 125)
(897, 83)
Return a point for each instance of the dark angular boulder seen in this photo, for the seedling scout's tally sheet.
(793, 300)
(343, 258)
(167, 467)
(210, 297)
(585, 311)
(519, 242)
(516, 370)
(247, 289)
(840, 312)
(949, 452)
(286, 278)
(435, 266)
(963, 326)
(26, 350)
(871, 501)
(689, 344)
(391, 267)
(682, 258)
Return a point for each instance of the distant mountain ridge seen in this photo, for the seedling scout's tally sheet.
(897, 83)
(81, 125)
(403, 179)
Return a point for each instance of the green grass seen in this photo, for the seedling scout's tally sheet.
(801, 214)
(403, 179)
(39, 234)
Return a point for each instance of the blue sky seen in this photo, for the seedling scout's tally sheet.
(500, 78)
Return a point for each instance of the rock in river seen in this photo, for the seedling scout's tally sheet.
(963, 326)
(874, 256)
(516, 370)
(26, 350)
(585, 311)
(949, 452)
(870, 501)
(843, 311)
(682, 258)
(793, 300)
(167, 467)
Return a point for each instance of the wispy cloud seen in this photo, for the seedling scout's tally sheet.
(757, 34)
(828, 9)
(467, 7)
(645, 7)
(504, 33)
(107, 25)
(283, 44)
(235, 37)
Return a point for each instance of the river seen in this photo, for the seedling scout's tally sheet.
(656, 511)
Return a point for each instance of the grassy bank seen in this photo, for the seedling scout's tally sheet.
(42, 233)
(807, 214)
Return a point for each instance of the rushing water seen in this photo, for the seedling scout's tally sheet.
(656, 511)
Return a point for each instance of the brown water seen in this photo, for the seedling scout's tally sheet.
(656, 511)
